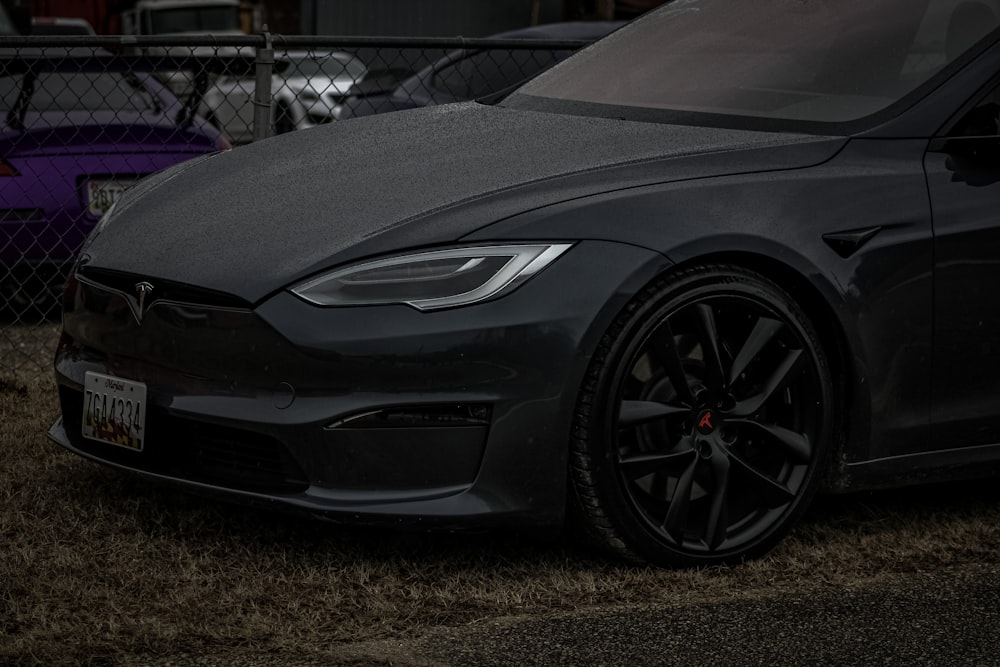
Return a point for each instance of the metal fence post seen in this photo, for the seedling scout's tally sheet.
(262, 89)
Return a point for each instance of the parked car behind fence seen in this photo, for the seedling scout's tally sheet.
(75, 134)
(86, 166)
(307, 89)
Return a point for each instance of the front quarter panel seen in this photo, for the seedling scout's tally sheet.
(525, 354)
(878, 298)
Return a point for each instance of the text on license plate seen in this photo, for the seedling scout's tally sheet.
(101, 194)
(114, 410)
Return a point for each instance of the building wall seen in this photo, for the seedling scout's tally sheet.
(105, 15)
(409, 18)
(283, 17)
(97, 12)
(425, 18)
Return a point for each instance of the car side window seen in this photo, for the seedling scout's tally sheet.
(983, 120)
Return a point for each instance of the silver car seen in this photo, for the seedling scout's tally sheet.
(307, 89)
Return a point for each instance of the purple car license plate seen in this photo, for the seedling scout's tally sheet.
(101, 194)
(114, 410)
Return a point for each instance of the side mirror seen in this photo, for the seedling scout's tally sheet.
(972, 160)
(974, 141)
(969, 152)
(982, 121)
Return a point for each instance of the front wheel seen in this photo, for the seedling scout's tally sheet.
(703, 422)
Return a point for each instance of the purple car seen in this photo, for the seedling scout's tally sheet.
(71, 141)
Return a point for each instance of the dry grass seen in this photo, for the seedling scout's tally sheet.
(27, 349)
(102, 568)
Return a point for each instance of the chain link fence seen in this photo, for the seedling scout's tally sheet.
(84, 118)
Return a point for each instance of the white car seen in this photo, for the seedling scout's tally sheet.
(307, 89)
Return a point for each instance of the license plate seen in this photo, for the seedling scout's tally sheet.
(114, 410)
(101, 194)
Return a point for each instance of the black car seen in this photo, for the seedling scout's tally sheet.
(469, 74)
(731, 255)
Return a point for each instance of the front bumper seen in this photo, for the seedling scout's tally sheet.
(453, 417)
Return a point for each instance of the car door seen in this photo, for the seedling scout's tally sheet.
(963, 178)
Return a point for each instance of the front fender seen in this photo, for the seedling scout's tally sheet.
(880, 295)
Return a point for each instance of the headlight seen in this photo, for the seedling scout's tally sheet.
(434, 279)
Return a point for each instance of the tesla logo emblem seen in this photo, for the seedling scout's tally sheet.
(143, 289)
(705, 425)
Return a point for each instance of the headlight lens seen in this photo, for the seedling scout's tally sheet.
(434, 279)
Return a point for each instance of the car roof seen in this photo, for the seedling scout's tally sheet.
(569, 30)
(316, 55)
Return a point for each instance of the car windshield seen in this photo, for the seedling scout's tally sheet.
(83, 91)
(819, 61)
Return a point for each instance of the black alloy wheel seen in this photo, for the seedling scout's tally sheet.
(704, 420)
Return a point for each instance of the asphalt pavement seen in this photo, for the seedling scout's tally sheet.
(944, 618)
(949, 617)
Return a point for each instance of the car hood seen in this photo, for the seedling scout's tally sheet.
(257, 218)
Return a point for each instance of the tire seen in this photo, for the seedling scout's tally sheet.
(704, 421)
